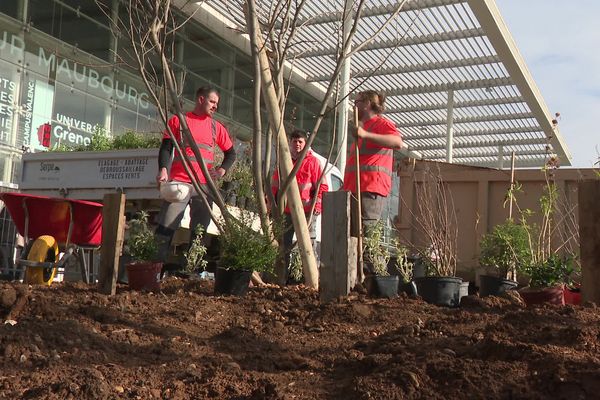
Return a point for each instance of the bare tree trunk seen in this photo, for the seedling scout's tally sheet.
(309, 264)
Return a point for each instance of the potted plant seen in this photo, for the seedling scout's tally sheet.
(381, 283)
(243, 250)
(144, 271)
(404, 267)
(436, 218)
(547, 280)
(440, 285)
(553, 255)
(572, 293)
(194, 255)
(506, 250)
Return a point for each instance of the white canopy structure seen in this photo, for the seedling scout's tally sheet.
(456, 84)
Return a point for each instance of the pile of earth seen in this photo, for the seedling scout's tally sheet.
(68, 341)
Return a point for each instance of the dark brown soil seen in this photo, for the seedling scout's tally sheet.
(68, 341)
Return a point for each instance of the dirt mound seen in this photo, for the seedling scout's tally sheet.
(69, 342)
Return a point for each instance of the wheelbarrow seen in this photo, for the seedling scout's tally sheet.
(51, 226)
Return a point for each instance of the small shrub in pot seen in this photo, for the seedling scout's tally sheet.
(144, 272)
(194, 256)
(141, 243)
(243, 250)
(506, 249)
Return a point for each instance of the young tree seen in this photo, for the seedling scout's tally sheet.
(276, 32)
(151, 27)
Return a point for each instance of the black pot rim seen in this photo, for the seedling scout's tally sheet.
(234, 269)
(387, 277)
(429, 278)
(503, 280)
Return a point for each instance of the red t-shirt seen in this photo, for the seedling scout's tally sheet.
(307, 178)
(372, 181)
(201, 128)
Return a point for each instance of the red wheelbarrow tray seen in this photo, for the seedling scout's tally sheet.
(51, 216)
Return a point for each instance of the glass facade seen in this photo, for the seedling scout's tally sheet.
(57, 70)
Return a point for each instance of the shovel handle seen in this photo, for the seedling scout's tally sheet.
(359, 252)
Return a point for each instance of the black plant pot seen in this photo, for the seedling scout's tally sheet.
(494, 286)
(410, 288)
(232, 281)
(439, 290)
(383, 286)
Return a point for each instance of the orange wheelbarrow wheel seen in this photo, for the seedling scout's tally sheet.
(43, 249)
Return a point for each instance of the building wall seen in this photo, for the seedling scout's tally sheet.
(478, 198)
(57, 67)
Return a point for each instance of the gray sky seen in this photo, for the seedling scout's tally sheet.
(560, 41)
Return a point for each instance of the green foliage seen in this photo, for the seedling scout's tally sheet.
(61, 147)
(554, 270)
(512, 192)
(552, 259)
(101, 140)
(241, 178)
(506, 248)
(243, 248)
(374, 249)
(141, 242)
(242, 174)
(296, 272)
(403, 266)
(135, 140)
(194, 256)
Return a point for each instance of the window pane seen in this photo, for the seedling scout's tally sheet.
(149, 121)
(9, 95)
(73, 26)
(123, 121)
(91, 9)
(37, 98)
(10, 8)
(11, 46)
(76, 116)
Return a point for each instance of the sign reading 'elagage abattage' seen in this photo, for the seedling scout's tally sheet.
(90, 170)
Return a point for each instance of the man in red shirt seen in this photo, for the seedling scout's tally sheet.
(308, 182)
(376, 137)
(207, 132)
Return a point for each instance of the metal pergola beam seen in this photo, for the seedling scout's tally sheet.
(519, 162)
(477, 132)
(461, 104)
(465, 62)
(444, 87)
(401, 42)
(480, 143)
(467, 120)
(496, 155)
(336, 16)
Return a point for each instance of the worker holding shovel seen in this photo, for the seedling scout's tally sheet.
(369, 167)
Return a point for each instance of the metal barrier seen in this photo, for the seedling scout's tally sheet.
(9, 239)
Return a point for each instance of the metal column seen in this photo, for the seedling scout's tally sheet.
(450, 126)
(501, 156)
(342, 120)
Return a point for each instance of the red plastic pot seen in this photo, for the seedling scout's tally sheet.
(144, 275)
(572, 295)
(548, 295)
